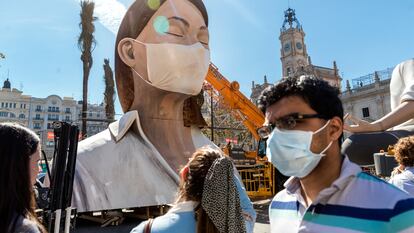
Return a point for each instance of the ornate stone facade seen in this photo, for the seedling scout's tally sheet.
(294, 56)
(39, 113)
(257, 90)
(369, 96)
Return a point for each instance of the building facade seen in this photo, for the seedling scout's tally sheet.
(39, 114)
(295, 58)
(368, 97)
(257, 90)
(294, 55)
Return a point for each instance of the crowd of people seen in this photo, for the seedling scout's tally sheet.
(158, 69)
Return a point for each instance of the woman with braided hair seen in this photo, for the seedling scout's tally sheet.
(207, 199)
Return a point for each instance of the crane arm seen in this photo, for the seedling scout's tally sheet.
(251, 116)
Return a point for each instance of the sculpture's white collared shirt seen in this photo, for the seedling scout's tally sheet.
(120, 168)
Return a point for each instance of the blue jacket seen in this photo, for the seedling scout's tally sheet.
(181, 218)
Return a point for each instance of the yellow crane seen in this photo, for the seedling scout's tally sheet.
(259, 179)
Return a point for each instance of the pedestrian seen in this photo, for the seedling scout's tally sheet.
(207, 200)
(19, 154)
(326, 192)
(403, 175)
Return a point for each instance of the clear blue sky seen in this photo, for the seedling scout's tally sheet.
(39, 40)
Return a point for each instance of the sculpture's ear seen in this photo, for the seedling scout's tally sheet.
(126, 51)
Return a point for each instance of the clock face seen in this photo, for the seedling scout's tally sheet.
(299, 45)
(286, 47)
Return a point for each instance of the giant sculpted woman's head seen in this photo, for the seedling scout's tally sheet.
(162, 45)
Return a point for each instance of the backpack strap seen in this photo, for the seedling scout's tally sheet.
(147, 228)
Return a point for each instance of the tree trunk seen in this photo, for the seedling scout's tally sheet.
(86, 71)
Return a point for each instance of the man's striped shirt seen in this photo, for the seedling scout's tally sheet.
(355, 202)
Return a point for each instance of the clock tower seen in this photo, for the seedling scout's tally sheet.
(294, 56)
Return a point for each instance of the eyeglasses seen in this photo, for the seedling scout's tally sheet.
(287, 122)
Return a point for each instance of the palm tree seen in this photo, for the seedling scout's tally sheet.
(2, 56)
(109, 91)
(86, 43)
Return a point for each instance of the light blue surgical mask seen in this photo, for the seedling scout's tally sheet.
(290, 151)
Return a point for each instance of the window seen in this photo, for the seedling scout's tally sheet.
(4, 114)
(12, 115)
(14, 105)
(288, 71)
(57, 109)
(365, 112)
(37, 126)
(21, 116)
(98, 115)
(7, 105)
(67, 110)
(2, 104)
(90, 114)
(67, 118)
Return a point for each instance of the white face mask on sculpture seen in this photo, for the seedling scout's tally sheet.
(290, 151)
(177, 68)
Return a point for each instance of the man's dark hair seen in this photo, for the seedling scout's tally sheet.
(317, 93)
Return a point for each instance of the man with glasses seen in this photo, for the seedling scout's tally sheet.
(326, 192)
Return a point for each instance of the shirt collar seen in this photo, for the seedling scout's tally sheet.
(119, 128)
(348, 171)
(186, 206)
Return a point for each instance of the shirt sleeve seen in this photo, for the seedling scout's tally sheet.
(246, 204)
(407, 74)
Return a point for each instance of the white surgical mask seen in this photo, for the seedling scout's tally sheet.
(177, 68)
(290, 151)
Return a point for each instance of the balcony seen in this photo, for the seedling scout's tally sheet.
(52, 119)
(38, 118)
(38, 110)
(51, 110)
(37, 127)
(68, 112)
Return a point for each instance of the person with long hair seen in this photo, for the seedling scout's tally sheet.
(19, 153)
(207, 199)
